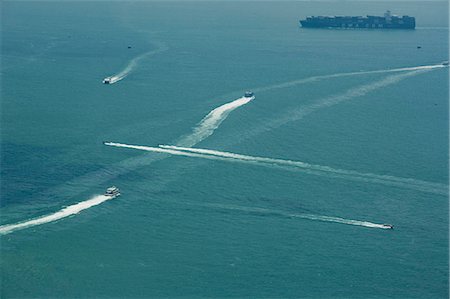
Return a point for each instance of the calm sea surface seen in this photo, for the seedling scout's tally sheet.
(374, 147)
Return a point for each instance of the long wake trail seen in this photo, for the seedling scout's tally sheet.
(312, 217)
(206, 128)
(134, 63)
(408, 183)
(352, 93)
(349, 74)
(66, 212)
(351, 174)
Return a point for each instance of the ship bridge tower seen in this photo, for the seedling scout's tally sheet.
(388, 16)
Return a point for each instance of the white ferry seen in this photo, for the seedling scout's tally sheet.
(112, 191)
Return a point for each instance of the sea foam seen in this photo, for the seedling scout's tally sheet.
(63, 213)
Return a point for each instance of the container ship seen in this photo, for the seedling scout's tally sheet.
(388, 21)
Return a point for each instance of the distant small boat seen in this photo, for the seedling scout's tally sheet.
(445, 63)
(112, 191)
(129, 47)
(248, 94)
(419, 47)
(388, 226)
(107, 80)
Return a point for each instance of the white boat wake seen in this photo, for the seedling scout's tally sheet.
(66, 212)
(408, 183)
(355, 92)
(338, 75)
(313, 217)
(203, 130)
(348, 95)
(134, 63)
(212, 121)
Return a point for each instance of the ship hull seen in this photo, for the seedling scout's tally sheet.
(306, 24)
(359, 22)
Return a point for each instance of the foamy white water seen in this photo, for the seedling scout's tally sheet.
(320, 170)
(212, 121)
(134, 63)
(66, 212)
(299, 215)
(165, 151)
(205, 128)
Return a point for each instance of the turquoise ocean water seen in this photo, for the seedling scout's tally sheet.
(372, 136)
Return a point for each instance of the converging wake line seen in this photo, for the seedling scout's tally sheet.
(204, 129)
(440, 188)
(355, 92)
(320, 170)
(211, 122)
(338, 75)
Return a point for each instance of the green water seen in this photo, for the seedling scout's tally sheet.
(195, 227)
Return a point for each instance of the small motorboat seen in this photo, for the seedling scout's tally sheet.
(112, 191)
(388, 226)
(248, 94)
(445, 63)
(107, 80)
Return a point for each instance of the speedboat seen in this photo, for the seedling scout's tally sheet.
(445, 63)
(248, 94)
(388, 226)
(112, 191)
(107, 80)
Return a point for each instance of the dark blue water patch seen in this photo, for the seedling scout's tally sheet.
(29, 170)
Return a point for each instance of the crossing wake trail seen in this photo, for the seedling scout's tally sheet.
(407, 183)
(207, 126)
(349, 74)
(203, 130)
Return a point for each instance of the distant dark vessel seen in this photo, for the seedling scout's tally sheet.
(388, 21)
(248, 94)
